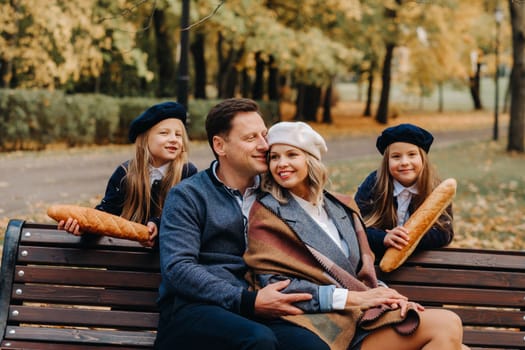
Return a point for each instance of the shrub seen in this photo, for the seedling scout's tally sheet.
(32, 119)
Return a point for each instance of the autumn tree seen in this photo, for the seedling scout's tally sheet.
(438, 53)
(48, 44)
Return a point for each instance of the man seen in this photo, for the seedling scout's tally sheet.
(204, 299)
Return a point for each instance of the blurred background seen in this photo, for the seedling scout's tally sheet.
(74, 73)
(78, 71)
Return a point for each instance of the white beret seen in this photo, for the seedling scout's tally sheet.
(297, 134)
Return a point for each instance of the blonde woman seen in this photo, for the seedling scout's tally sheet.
(137, 189)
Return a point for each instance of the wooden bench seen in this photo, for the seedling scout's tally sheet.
(486, 288)
(59, 291)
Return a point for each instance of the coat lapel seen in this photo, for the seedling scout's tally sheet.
(312, 234)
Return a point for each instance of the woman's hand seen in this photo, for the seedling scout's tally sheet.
(396, 237)
(375, 297)
(405, 304)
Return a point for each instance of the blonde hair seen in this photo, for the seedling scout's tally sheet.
(137, 204)
(383, 214)
(317, 178)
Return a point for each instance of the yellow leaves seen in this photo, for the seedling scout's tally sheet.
(59, 41)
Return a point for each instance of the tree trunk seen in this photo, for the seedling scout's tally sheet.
(245, 83)
(258, 85)
(506, 100)
(231, 75)
(7, 70)
(382, 109)
(517, 104)
(327, 105)
(370, 89)
(386, 75)
(166, 62)
(475, 87)
(441, 102)
(220, 64)
(197, 50)
(299, 102)
(273, 80)
(311, 102)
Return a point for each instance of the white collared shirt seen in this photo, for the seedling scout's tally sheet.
(404, 196)
(157, 173)
(244, 200)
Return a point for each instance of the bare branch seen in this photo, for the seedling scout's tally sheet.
(125, 12)
(204, 18)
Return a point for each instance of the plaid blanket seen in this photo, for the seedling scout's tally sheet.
(274, 248)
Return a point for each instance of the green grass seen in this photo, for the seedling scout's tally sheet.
(455, 97)
(490, 198)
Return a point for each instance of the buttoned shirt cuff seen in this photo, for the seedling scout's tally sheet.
(326, 294)
(339, 298)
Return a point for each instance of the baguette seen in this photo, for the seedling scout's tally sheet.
(419, 223)
(99, 222)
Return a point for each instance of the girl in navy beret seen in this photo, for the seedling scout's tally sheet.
(138, 187)
(389, 195)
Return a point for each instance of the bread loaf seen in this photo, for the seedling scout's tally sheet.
(419, 223)
(99, 222)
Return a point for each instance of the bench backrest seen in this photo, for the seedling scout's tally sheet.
(59, 291)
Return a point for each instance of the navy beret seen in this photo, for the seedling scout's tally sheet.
(155, 114)
(404, 133)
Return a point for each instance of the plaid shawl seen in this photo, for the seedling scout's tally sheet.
(274, 248)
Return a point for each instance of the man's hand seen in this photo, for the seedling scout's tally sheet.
(271, 303)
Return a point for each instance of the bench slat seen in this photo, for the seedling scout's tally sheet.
(87, 277)
(49, 235)
(25, 345)
(489, 338)
(462, 296)
(469, 258)
(456, 277)
(81, 335)
(85, 296)
(82, 317)
(84, 257)
(490, 317)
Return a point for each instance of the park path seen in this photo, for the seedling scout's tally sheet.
(29, 181)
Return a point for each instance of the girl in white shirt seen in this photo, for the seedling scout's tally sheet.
(405, 178)
(138, 187)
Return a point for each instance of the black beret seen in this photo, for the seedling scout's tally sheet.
(155, 114)
(404, 133)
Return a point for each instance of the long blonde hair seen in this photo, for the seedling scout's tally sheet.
(317, 178)
(137, 204)
(383, 214)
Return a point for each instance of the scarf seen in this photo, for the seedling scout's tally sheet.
(274, 248)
